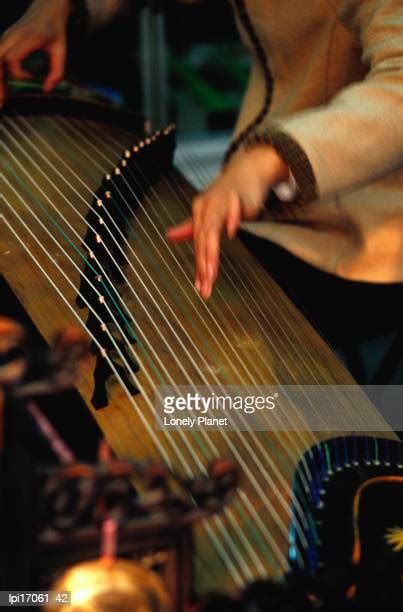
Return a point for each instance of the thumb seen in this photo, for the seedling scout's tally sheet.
(182, 232)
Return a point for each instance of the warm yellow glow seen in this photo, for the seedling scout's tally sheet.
(113, 584)
(394, 537)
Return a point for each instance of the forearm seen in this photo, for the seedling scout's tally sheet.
(356, 136)
(351, 142)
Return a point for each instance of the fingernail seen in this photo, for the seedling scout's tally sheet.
(197, 285)
(206, 291)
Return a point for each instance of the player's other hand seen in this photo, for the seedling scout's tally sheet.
(239, 193)
(42, 27)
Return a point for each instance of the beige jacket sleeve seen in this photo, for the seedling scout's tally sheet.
(358, 136)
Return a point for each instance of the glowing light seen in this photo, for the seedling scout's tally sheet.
(394, 537)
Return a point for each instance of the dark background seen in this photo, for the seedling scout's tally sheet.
(206, 67)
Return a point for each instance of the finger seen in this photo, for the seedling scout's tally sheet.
(181, 232)
(201, 280)
(9, 39)
(57, 61)
(211, 226)
(10, 51)
(16, 70)
(234, 215)
(18, 45)
(197, 208)
(212, 258)
(13, 50)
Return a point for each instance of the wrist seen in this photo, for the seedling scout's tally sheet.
(269, 164)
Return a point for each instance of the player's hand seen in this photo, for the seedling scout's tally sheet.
(42, 27)
(238, 194)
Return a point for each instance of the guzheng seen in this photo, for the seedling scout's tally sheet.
(87, 196)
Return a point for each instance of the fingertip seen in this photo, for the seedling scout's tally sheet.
(206, 290)
(51, 81)
(173, 235)
(48, 86)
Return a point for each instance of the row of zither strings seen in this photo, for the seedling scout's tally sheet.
(251, 451)
(258, 543)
